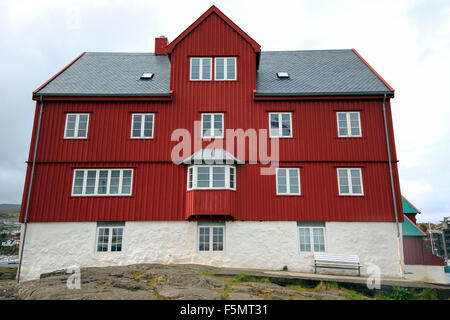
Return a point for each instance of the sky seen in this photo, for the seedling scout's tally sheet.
(407, 42)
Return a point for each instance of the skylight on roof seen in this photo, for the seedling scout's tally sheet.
(283, 75)
(147, 76)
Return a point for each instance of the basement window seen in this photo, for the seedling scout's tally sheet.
(109, 236)
(311, 236)
(211, 237)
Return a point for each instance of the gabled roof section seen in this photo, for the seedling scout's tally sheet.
(408, 207)
(411, 229)
(203, 17)
(111, 74)
(317, 73)
(212, 156)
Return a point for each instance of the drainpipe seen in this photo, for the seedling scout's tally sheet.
(22, 243)
(393, 189)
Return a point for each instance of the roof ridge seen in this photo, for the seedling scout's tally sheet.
(313, 50)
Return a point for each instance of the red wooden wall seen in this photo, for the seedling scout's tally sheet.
(159, 186)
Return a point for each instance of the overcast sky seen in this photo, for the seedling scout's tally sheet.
(407, 42)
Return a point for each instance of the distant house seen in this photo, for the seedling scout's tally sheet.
(420, 263)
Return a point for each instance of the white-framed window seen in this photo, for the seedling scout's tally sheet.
(212, 125)
(288, 181)
(349, 124)
(109, 238)
(201, 69)
(76, 126)
(211, 237)
(225, 68)
(280, 124)
(211, 177)
(102, 182)
(142, 125)
(312, 239)
(350, 181)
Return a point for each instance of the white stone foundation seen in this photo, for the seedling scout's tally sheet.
(248, 244)
(432, 274)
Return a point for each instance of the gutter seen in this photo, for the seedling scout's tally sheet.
(22, 242)
(394, 199)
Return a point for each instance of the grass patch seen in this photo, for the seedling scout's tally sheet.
(353, 295)
(208, 274)
(138, 274)
(399, 293)
(225, 296)
(285, 268)
(248, 278)
(426, 294)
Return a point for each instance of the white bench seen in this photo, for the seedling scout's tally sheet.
(335, 260)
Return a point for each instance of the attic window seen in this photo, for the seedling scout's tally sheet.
(283, 75)
(147, 76)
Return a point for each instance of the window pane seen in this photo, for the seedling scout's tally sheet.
(148, 126)
(70, 126)
(218, 177)
(305, 244)
(274, 125)
(281, 181)
(218, 124)
(286, 125)
(342, 116)
(90, 182)
(206, 123)
(190, 177)
(217, 239)
(103, 182)
(319, 241)
(220, 69)
(126, 181)
(102, 241)
(116, 239)
(206, 69)
(203, 177)
(137, 125)
(232, 177)
(203, 240)
(78, 183)
(114, 185)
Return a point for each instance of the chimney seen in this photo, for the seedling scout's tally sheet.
(160, 46)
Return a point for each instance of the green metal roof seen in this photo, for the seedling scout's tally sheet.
(410, 229)
(408, 207)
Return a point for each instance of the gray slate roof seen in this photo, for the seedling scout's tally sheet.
(319, 72)
(112, 74)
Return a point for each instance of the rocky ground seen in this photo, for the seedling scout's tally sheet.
(151, 282)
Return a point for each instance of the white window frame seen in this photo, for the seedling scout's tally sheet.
(212, 131)
(225, 70)
(349, 127)
(311, 239)
(210, 187)
(280, 130)
(211, 232)
(77, 122)
(110, 235)
(97, 178)
(200, 76)
(349, 179)
(142, 125)
(288, 186)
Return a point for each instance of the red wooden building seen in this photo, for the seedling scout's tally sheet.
(102, 186)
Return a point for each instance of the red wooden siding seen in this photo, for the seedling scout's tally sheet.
(159, 186)
(415, 253)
